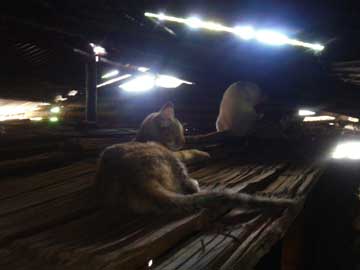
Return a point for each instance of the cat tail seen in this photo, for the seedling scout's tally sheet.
(213, 200)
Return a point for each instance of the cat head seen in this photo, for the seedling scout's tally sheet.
(247, 91)
(163, 127)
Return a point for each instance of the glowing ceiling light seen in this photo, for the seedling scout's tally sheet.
(214, 26)
(139, 84)
(347, 150)
(36, 119)
(167, 81)
(55, 109)
(331, 124)
(122, 77)
(353, 119)
(265, 36)
(318, 118)
(53, 119)
(271, 37)
(161, 16)
(317, 47)
(165, 17)
(97, 49)
(143, 69)
(72, 93)
(110, 74)
(194, 22)
(303, 112)
(146, 82)
(245, 32)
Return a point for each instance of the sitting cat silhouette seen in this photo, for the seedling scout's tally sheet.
(163, 127)
(237, 112)
(148, 178)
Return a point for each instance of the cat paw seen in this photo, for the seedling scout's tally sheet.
(201, 155)
(192, 156)
(195, 187)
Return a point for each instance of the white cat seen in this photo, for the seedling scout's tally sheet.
(237, 109)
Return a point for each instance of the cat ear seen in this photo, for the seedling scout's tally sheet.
(167, 111)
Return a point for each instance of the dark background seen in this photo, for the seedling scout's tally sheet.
(38, 61)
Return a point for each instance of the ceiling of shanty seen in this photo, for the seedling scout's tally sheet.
(39, 38)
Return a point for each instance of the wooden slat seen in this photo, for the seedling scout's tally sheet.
(51, 218)
(15, 186)
(229, 245)
(42, 216)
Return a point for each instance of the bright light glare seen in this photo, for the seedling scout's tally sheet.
(263, 35)
(305, 112)
(150, 263)
(245, 32)
(146, 82)
(53, 119)
(167, 81)
(349, 127)
(110, 74)
(213, 26)
(353, 119)
(98, 50)
(193, 22)
(271, 37)
(55, 109)
(36, 119)
(18, 109)
(161, 16)
(317, 47)
(318, 118)
(143, 69)
(139, 84)
(347, 150)
(72, 93)
(122, 77)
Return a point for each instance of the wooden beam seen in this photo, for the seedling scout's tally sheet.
(91, 92)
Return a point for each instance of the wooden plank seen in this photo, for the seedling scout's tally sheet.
(10, 260)
(208, 246)
(40, 217)
(43, 195)
(22, 166)
(133, 253)
(222, 249)
(274, 230)
(258, 181)
(12, 187)
(82, 238)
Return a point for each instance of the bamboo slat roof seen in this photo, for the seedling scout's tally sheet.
(49, 220)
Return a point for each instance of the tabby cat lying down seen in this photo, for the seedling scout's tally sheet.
(148, 178)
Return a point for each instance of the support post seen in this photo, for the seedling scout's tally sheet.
(91, 91)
